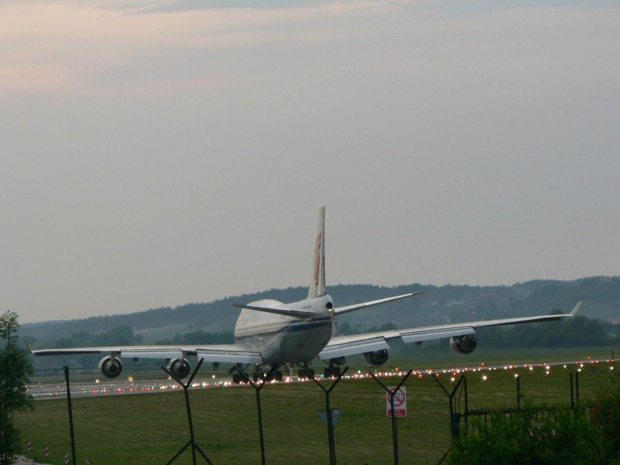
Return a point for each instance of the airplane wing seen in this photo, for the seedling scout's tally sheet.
(232, 353)
(342, 346)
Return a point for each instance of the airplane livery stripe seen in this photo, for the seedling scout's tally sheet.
(274, 329)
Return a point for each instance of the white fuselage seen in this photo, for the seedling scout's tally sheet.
(282, 338)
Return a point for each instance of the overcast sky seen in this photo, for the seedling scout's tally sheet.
(164, 152)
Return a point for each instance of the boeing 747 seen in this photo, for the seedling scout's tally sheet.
(270, 333)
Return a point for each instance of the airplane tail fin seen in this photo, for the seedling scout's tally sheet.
(317, 285)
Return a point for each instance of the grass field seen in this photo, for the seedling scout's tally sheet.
(151, 428)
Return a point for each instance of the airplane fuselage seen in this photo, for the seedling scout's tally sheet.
(282, 338)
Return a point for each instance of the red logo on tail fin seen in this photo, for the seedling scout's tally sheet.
(317, 259)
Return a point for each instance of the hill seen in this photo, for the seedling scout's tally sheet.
(443, 304)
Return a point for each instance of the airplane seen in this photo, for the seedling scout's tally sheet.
(272, 334)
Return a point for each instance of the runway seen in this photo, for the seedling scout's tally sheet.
(94, 384)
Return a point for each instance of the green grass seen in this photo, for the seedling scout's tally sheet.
(151, 428)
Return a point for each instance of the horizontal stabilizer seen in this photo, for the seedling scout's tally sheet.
(352, 308)
(292, 312)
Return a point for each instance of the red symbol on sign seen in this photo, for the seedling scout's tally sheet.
(399, 397)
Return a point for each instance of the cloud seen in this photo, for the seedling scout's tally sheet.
(92, 42)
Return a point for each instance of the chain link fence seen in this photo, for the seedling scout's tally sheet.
(143, 418)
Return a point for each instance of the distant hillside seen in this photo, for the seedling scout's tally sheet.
(444, 304)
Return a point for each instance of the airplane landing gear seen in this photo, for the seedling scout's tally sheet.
(333, 371)
(259, 374)
(236, 371)
(306, 373)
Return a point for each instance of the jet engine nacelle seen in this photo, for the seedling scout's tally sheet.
(179, 367)
(463, 344)
(110, 366)
(376, 358)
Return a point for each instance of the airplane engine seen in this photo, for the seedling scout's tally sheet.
(463, 344)
(111, 367)
(376, 358)
(179, 367)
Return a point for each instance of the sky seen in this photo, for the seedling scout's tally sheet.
(166, 152)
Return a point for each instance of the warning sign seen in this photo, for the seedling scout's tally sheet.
(400, 402)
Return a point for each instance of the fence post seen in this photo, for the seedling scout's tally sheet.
(258, 405)
(66, 370)
(192, 441)
(455, 426)
(518, 392)
(577, 387)
(391, 393)
(330, 421)
(466, 406)
(572, 395)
